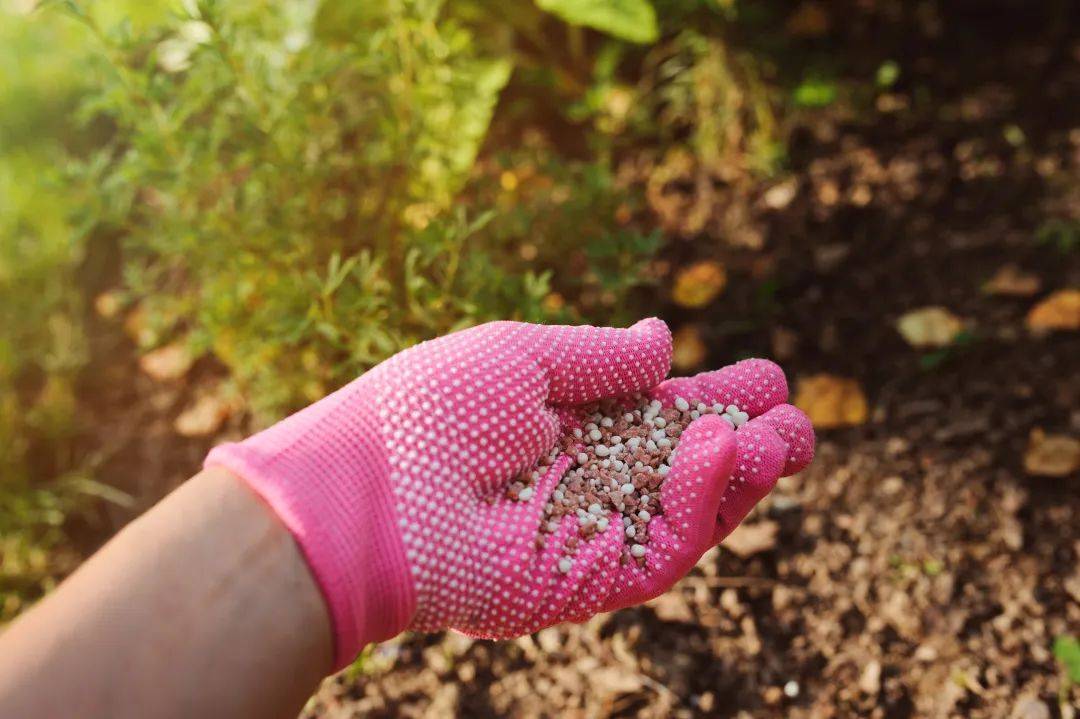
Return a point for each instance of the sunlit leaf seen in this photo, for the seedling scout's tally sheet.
(830, 401)
(345, 19)
(167, 363)
(1011, 281)
(929, 327)
(204, 416)
(887, 74)
(1067, 651)
(815, 92)
(1050, 455)
(699, 284)
(1059, 311)
(632, 20)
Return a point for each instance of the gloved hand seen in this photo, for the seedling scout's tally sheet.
(394, 486)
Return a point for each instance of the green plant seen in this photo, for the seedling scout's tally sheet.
(633, 20)
(699, 93)
(299, 203)
(42, 347)
(815, 91)
(303, 188)
(1063, 234)
(1067, 651)
(295, 189)
(887, 74)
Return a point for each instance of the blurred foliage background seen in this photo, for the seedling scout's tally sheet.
(214, 212)
(300, 189)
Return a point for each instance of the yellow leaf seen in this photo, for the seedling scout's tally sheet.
(1059, 311)
(1011, 281)
(699, 284)
(554, 302)
(1051, 455)
(930, 327)
(167, 363)
(689, 349)
(831, 401)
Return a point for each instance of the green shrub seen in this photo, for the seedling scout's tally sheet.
(41, 340)
(296, 198)
(42, 350)
(295, 191)
(302, 188)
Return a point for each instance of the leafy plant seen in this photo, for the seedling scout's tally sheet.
(815, 91)
(42, 346)
(887, 74)
(1063, 234)
(296, 202)
(633, 20)
(702, 92)
(1067, 651)
(302, 188)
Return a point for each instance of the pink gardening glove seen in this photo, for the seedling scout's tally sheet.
(395, 485)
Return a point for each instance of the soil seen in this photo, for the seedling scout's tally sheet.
(914, 569)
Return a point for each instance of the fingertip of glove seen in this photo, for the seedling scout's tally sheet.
(760, 457)
(795, 429)
(653, 326)
(760, 379)
(658, 335)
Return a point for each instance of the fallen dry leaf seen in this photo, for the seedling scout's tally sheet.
(831, 401)
(1030, 707)
(678, 212)
(780, 196)
(870, 679)
(203, 417)
(750, 539)
(699, 284)
(614, 680)
(167, 363)
(1059, 311)
(1051, 455)
(1011, 281)
(689, 349)
(929, 327)
(808, 20)
(554, 302)
(671, 607)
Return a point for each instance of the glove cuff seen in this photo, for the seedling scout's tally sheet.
(332, 490)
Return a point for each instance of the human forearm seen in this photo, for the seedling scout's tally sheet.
(202, 607)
